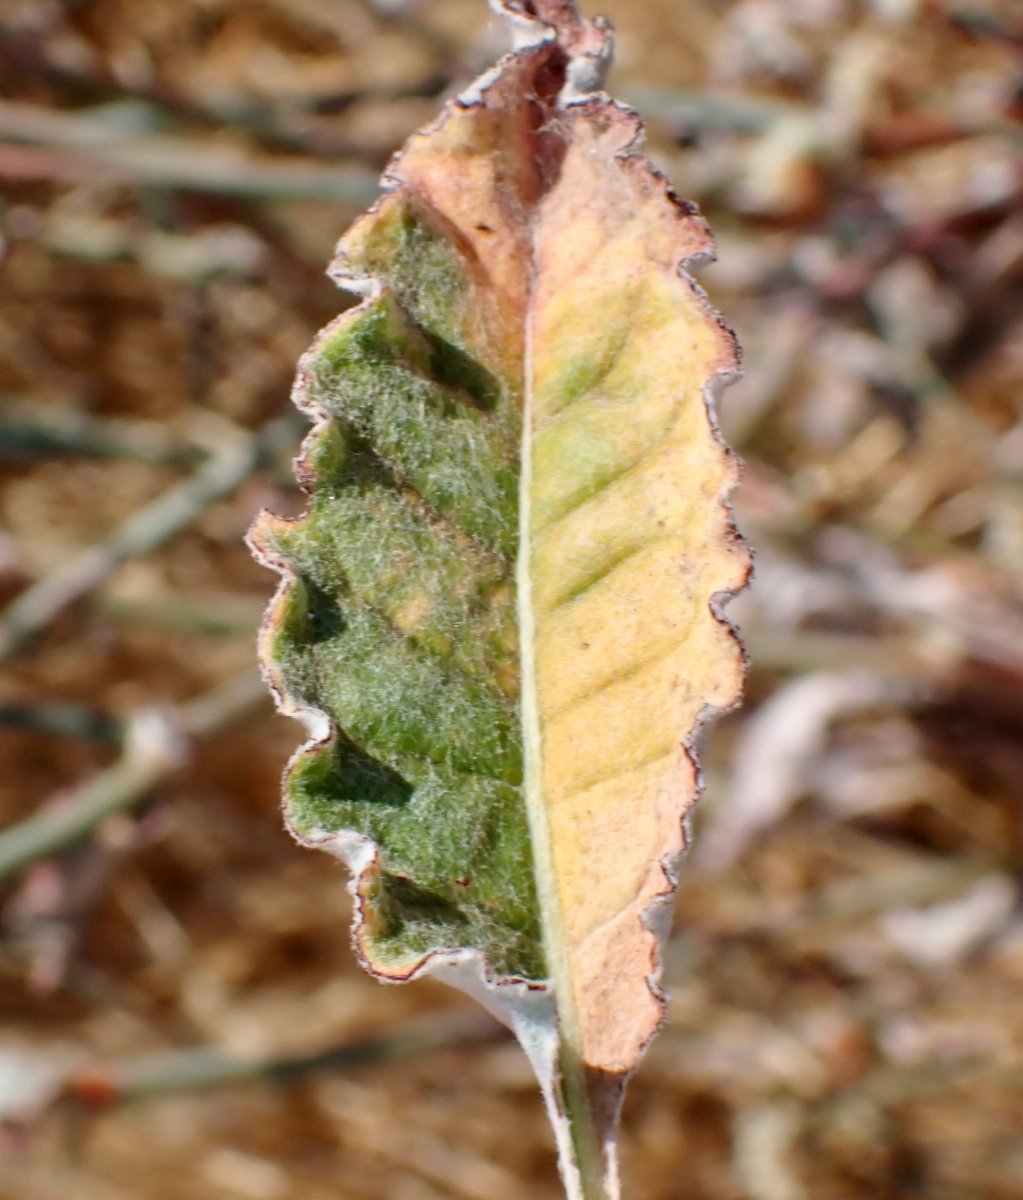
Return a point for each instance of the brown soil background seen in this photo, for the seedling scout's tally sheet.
(847, 964)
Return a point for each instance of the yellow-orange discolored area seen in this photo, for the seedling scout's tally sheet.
(629, 543)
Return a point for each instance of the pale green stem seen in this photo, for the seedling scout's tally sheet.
(590, 1160)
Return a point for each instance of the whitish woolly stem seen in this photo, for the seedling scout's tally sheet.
(594, 1179)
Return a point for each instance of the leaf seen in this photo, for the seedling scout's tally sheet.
(499, 617)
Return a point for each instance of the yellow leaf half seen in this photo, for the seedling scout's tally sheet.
(627, 545)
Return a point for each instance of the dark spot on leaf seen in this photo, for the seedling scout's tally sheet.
(325, 620)
(404, 900)
(454, 367)
(359, 776)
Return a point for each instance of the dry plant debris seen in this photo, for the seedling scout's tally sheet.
(845, 969)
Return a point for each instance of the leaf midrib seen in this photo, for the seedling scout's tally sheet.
(551, 917)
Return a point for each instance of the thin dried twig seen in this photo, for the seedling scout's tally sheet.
(140, 533)
(95, 147)
(62, 717)
(798, 650)
(365, 1121)
(210, 711)
(27, 433)
(204, 612)
(777, 745)
(156, 744)
(207, 1066)
(701, 111)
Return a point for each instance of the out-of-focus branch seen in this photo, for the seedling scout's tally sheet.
(156, 744)
(97, 147)
(202, 612)
(701, 111)
(140, 533)
(796, 650)
(43, 1077)
(778, 744)
(211, 711)
(153, 748)
(27, 433)
(206, 1066)
(62, 717)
